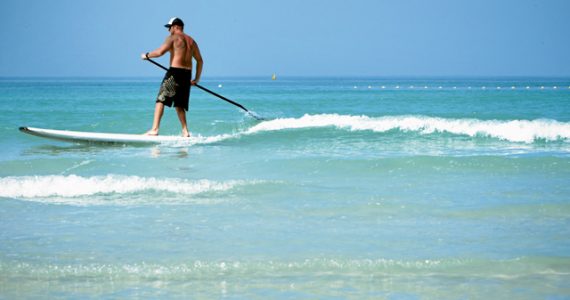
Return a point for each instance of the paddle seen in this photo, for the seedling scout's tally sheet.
(213, 93)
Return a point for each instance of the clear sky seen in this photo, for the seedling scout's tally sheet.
(291, 37)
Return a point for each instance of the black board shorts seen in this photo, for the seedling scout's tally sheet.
(175, 88)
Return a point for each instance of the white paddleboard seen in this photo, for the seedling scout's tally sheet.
(99, 137)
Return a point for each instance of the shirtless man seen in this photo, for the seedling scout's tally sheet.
(175, 87)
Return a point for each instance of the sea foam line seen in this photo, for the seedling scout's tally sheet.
(526, 131)
(77, 186)
(499, 269)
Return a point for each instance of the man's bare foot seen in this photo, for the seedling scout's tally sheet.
(151, 132)
(185, 133)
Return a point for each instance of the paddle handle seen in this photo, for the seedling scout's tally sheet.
(154, 62)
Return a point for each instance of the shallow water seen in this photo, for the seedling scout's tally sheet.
(352, 188)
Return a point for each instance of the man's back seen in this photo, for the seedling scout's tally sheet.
(181, 51)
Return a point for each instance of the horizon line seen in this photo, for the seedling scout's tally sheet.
(299, 76)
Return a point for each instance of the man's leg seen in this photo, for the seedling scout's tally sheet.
(158, 112)
(182, 117)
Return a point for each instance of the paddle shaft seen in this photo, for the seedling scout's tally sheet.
(211, 92)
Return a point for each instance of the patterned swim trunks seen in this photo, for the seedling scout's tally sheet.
(175, 88)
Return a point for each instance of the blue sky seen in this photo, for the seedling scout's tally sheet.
(293, 37)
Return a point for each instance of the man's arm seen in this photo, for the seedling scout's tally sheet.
(199, 62)
(166, 46)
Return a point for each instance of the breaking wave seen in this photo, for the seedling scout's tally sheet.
(109, 189)
(526, 131)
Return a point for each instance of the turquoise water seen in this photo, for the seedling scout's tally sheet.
(359, 188)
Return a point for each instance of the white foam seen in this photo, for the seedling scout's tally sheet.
(207, 269)
(526, 131)
(63, 189)
(199, 139)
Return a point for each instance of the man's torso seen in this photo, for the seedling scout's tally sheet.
(181, 51)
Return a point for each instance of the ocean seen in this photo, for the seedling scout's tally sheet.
(351, 188)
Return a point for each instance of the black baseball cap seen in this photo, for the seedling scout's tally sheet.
(174, 21)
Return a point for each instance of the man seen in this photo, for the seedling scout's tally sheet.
(175, 87)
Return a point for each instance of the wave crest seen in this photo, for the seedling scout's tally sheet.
(527, 131)
(69, 189)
